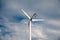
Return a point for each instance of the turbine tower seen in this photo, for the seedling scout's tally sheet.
(30, 20)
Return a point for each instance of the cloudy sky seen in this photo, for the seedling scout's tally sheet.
(13, 22)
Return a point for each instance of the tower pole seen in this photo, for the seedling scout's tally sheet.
(30, 31)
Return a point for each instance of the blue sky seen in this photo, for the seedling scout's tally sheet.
(13, 22)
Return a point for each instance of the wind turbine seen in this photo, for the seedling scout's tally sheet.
(30, 20)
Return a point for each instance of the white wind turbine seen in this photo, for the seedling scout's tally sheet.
(30, 20)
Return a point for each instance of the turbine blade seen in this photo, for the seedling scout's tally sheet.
(25, 13)
(37, 19)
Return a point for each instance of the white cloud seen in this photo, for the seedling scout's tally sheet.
(18, 31)
(38, 32)
(53, 31)
(53, 22)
